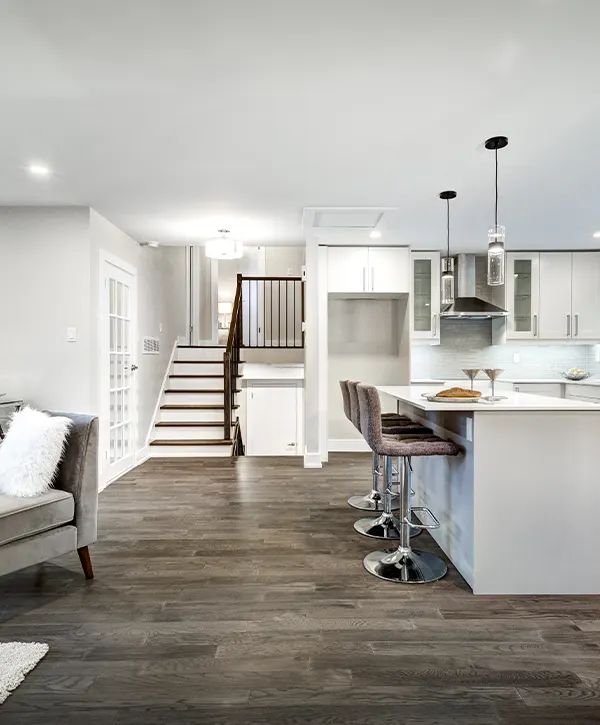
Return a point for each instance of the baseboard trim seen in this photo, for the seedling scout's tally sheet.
(347, 445)
(142, 456)
(312, 460)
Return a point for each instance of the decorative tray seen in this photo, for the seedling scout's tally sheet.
(435, 399)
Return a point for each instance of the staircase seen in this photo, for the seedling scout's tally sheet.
(192, 415)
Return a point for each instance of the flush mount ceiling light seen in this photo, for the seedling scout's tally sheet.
(596, 235)
(375, 234)
(224, 247)
(497, 234)
(447, 261)
(41, 171)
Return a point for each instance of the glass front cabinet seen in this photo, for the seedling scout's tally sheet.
(522, 295)
(425, 297)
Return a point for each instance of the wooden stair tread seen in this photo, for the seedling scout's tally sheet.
(193, 406)
(191, 424)
(208, 391)
(201, 442)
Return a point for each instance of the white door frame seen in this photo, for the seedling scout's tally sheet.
(106, 475)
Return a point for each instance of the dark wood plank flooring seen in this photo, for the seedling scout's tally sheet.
(233, 592)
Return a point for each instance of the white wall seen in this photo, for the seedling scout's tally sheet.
(45, 288)
(161, 300)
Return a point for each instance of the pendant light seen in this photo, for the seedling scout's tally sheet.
(497, 234)
(224, 247)
(448, 261)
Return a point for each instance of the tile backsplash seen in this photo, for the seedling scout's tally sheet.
(468, 344)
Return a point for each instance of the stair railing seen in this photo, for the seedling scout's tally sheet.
(231, 359)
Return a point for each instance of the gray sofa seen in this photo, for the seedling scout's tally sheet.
(33, 530)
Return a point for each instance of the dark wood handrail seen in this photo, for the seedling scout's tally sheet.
(231, 359)
(237, 306)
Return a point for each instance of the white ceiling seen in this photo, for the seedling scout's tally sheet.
(174, 118)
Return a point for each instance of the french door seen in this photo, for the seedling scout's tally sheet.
(118, 356)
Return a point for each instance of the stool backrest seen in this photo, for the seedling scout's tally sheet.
(370, 416)
(346, 398)
(354, 404)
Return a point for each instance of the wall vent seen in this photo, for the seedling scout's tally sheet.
(151, 346)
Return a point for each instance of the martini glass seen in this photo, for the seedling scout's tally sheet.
(472, 373)
(493, 375)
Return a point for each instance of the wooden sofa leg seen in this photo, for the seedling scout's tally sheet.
(86, 562)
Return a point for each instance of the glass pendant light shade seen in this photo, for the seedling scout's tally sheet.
(447, 280)
(496, 255)
(497, 234)
(224, 247)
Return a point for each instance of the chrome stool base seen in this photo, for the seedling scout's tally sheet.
(373, 501)
(385, 526)
(410, 567)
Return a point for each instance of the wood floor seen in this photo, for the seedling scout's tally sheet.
(233, 592)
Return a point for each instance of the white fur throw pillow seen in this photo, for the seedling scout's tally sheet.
(31, 452)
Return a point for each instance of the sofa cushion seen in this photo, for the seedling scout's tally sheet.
(21, 517)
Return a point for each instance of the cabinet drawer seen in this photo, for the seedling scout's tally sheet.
(551, 390)
(584, 392)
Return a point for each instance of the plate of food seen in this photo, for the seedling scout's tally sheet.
(455, 395)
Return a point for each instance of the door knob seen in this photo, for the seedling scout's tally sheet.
(133, 368)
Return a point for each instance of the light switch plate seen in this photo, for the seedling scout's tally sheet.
(71, 334)
(516, 358)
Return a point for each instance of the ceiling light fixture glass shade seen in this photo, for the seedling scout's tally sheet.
(224, 247)
(447, 279)
(497, 234)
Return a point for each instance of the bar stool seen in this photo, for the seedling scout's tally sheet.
(404, 564)
(393, 423)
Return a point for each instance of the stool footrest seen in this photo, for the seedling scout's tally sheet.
(423, 510)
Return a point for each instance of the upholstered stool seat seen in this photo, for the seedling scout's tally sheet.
(394, 424)
(404, 564)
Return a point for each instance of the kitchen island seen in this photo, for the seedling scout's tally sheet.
(519, 510)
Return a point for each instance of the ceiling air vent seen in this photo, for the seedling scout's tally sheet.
(151, 346)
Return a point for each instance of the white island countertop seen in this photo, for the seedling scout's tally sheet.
(413, 395)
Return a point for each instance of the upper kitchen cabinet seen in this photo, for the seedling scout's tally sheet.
(522, 295)
(368, 270)
(570, 296)
(585, 305)
(425, 297)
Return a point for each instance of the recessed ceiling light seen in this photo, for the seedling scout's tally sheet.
(375, 234)
(39, 170)
(596, 235)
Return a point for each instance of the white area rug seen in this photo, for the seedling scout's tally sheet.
(16, 660)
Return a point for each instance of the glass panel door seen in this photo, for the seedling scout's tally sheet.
(522, 300)
(422, 295)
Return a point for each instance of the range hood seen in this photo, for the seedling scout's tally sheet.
(467, 306)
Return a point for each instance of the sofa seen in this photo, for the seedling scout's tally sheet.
(33, 530)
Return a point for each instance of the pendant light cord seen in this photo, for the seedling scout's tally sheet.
(448, 223)
(496, 207)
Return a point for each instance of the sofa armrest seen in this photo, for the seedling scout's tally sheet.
(78, 474)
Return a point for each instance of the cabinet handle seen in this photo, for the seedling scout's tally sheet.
(535, 326)
(516, 388)
(576, 325)
(434, 325)
(372, 279)
(568, 325)
(364, 279)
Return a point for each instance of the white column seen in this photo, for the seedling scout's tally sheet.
(313, 416)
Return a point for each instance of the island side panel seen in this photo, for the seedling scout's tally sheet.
(445, 485)
(537, 502)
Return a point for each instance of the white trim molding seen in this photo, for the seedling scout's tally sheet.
(347, 445)
(160, 394)
(312, 460)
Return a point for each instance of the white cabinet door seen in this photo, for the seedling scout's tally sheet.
(550, 390)
(272, 421)
(556, 321)
(586, 295)
(389, 270)
(522, 295)
(347, 269)
(425, 296)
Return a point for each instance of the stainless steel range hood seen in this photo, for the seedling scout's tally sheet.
(467, 306)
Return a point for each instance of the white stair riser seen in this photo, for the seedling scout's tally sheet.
(183, 433)
(171, 416)
(190, 369)
(193, 399)
(190, 451)
(196, 383)
(200, 353)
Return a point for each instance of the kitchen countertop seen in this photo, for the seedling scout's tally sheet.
(516, 402)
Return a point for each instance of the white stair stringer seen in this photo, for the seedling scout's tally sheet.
(190, 419)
